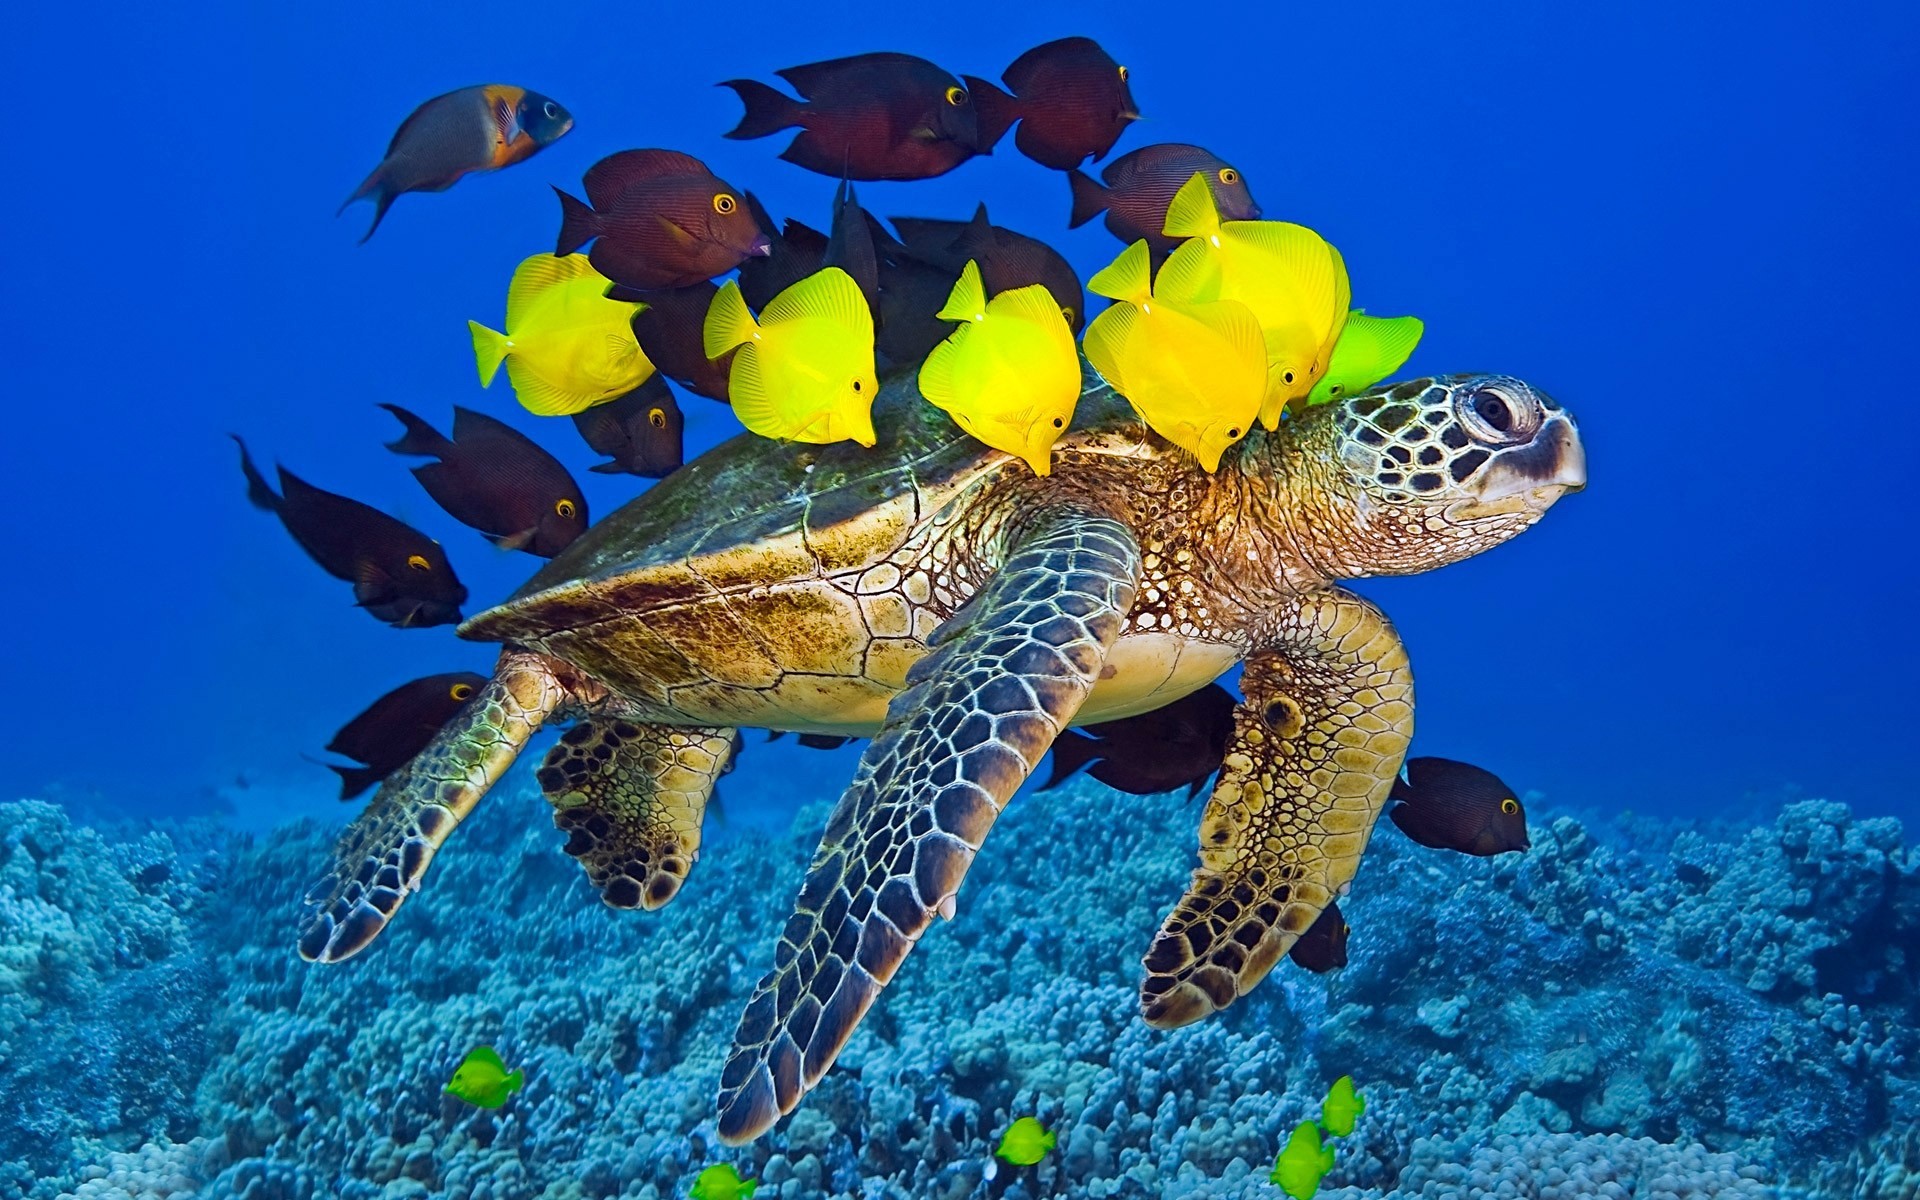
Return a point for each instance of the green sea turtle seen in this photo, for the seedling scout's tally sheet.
(940, 597)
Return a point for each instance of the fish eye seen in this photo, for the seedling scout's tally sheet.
(1345, 929)
(1059, 423)
(1336, 389)
(657, 417)
(956, 96)
(1229, 176)
(1066, 310)
(1123, 74)
(551, 109)
(1233, 433)
(1287, 378)
(856, 385)
(419, 562)
(565, 507)
(1509, 806)
(460, 691)
(724, 204)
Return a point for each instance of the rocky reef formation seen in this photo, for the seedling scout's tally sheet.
(1643, 1010)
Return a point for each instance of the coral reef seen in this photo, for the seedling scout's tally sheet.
(1635, 1010)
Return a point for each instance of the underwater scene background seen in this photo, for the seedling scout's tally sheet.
(1691, 224)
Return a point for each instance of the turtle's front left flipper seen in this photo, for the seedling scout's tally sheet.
(1005, 676)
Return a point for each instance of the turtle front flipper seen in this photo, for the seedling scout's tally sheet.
(1316, 745)
(1005, 675)
(631, 798)
(381, 857)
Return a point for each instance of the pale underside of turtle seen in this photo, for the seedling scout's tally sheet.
(939, 597)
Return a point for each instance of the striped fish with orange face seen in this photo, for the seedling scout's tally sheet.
(479, 128)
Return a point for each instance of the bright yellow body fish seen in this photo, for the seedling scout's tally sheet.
(567, 347)
(1010, 375)
(1292, 279)
(804, 372)
(1026, 1141)
(1342, 1107)
(482, 1079)
(1197, 372)
(1369, 350)
(1303, 1164)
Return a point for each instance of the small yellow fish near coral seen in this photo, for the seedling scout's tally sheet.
(1342, 1107)
(1369, 350)
(1196, 372)
(722, 1182)
(567, 347)
(1292, 279)
(805, 371)
(1009, 375)
(1025, 1142)
(1303, 1164)
(482, 1079)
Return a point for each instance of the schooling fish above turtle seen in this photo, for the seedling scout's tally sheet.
(937, 596)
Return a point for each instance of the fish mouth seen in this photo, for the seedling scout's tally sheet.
(760, 247)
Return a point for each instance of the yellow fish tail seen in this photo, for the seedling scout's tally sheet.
(513, 1082)
(968, 300)
(1193, 212)
(490, 348)
(1128, 278)
(728, 322)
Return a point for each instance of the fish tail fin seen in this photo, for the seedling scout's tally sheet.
(968, 300)
(768, 111)
(995, 111)
(420, 438)
(1128, 278)
(354, 780)
(258, 490)
(579, 224)
(382, 201)
(489, 351)
(1192, 212)
(515, 1081)
(728, 322)
(1089, 198)
(374, 182)
(1072, 750)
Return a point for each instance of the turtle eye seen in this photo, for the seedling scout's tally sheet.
(1509, 806)
(724, 204)
(1123, 74)
(565, 508)
(419, 562)
(956, 96)
(1229, 176)
(460, 691)
(1494, 414)
(657, 417)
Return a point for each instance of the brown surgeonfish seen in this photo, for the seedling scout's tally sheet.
(1323, 947)
(399, 575)
(1007, 260)
(1071, 98)
(642, 432)
(799, 250)
(1179, 745)
(658, 219)
(872, 116)
(398, 726)
(479, 128)
(1140, 187)
(669, 332)
(1451, 805)
(496, 479)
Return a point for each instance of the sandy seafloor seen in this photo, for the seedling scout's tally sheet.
(1632, 1009)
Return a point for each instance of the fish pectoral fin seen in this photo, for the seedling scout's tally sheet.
(676, 233)
(517, 541)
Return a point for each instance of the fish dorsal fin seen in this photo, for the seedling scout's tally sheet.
(488, 1056)
(1191, 274)
(827, 294)
(614, 174)
(1106, 339)
(1387, 342)
(728, 322)
(1193, 212)
(539, 275)
(1311, 266)
(1128, 278)
(968, 300)
(1032, 303)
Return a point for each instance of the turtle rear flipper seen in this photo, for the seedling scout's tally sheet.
(380, 859)
(1005, 676)
(630, 798)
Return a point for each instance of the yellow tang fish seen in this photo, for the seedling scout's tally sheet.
(1010, 375)
(1300, 1167)
(804, 372)
(1025, 1142)
(482, 1079)
(567, 347)
(1342, 1107)
(1292, 279)
(1369, 350)
(1197, 372)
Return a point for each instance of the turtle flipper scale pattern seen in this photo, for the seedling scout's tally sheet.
(1315, 747)
(382, 856)
(1006, 674)
(631, 798)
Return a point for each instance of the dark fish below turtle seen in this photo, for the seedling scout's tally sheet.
(398, 726)
(1323, 947)
(496, 479)
(1178, 745)
(1141, 185)
(1008, 260)
(643, 432)
(399, 575)
(1071, 98)
(1448, 805)
(658, 219)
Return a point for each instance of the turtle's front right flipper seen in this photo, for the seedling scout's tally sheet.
(1005, 676)
(383, 854)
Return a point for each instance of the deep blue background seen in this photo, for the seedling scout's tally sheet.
(1692, 223)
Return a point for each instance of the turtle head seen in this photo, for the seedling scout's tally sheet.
(1438, 470)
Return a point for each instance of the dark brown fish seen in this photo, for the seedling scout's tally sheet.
(812, 741)
(474, 129)
(668, 330)
(872, 116)
(399, 575)
(642, 431)
(851, 247)
(1178, 745)
(1141, 185)
(795, 251)
(1451, 805)
(1323, 946)
(907, 324)
(1071, 98)
(1007, 259)
(658, 219)
(398, 726)
(496, 479)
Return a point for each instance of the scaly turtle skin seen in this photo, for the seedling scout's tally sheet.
(937, 595)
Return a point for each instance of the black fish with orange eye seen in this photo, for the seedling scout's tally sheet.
(795, 251)
(1323, 947)
(658, 219)
(1071, 98)
(642, 432)
(1007, 259)
(496, 479)
(398, 726)
(812, 741)
(1140, 187)
(1449, 805)
(669, 332)
(399, 575)
(871, 116)
(1178, 745)
(479, 128)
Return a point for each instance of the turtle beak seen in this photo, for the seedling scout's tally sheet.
(1530, 478)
